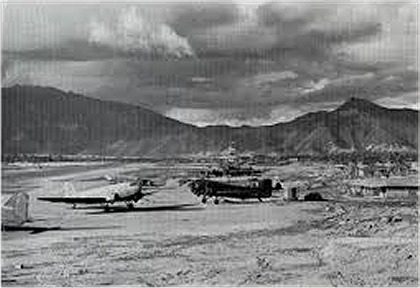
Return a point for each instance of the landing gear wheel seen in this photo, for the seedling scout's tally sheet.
(106, 208)
(130, 206)
(216, 201)
(204, 200)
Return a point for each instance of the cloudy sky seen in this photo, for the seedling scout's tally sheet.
(235, 63)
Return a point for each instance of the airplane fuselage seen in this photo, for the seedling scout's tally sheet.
(124, 192)
(210, 188)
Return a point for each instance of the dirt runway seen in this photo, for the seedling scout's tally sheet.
(172, 239)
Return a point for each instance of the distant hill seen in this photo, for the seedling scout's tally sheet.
(47, 120)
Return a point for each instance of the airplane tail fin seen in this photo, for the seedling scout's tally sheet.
(15, 210)
(68, 189)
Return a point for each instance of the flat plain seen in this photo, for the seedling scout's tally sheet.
(170, 238)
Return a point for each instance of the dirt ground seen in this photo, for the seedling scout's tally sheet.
(173, 239)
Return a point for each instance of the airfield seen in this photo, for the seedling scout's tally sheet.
(171, 238)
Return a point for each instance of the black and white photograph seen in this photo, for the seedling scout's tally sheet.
(209, 143)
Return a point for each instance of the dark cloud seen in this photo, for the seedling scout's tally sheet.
(130, 32)
(228, 62)
(80, 50)
(208, 30)
(368, 86)
(274, 29)
(189, 17)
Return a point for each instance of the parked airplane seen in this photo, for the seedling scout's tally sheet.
(14, 209)
(252, 189)
(122, 179)
(15, 214)
(129, 193)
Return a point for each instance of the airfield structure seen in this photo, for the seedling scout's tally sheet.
(390, 188)
(291, 194)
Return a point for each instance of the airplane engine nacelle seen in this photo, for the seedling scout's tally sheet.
(197, 187)
(266, 186)
(117, 197)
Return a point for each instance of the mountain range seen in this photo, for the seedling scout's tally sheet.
(46, 120)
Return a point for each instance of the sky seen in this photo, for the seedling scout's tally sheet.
(211, 63)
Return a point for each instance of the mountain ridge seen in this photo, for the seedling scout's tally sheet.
(47, 120)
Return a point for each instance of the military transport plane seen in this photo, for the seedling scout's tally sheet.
(152, 182)
(252, 189)
(14, 210)
(15, 216)
(129, 193)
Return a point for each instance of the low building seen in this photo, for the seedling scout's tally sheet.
(389, 188)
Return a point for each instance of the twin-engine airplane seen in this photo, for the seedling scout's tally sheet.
(256, 189)
(15, 216)
(152, 182)
(129, 193)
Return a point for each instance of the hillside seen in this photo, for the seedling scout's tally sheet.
(47, 120)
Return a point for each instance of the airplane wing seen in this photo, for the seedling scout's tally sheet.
(97, 195)
(104, 195)
(76, 199)
(149, 191)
